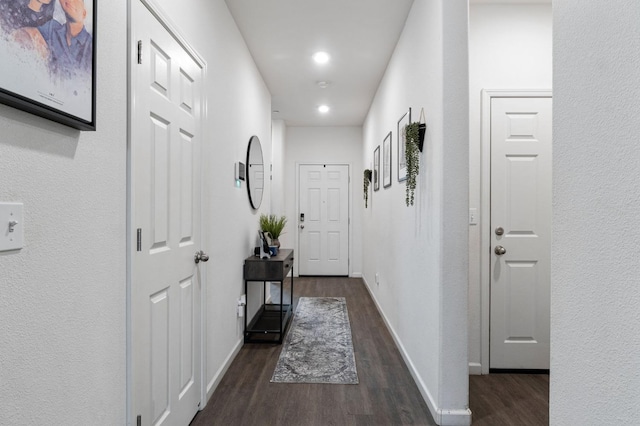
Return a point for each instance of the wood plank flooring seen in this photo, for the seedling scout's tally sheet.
(386, 395)
(509, 399)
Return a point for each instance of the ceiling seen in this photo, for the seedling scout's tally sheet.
(359, 35)
(510, 1)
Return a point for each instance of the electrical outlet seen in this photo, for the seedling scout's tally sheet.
(242, 301)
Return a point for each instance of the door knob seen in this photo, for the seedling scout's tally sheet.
(500, 250)
(301, 226)
(201, 256)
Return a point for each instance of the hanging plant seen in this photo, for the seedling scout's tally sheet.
(367, 181)
(412, 156)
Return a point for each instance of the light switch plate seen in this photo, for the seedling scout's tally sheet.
(473, 216)
(11, 226)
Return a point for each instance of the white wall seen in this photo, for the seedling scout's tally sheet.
(278, 194)
(63, 296)
(595, 296)
(239, 106)
(318, 145)
(509, 48)
(419, 252)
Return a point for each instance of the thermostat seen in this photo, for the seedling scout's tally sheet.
(240, 170)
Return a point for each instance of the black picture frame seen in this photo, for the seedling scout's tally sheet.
(36, 77)
(402, 148)
(386, 161)
(376, 169)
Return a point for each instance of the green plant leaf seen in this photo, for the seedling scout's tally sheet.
(273, 224)
(367, 181)
(412, 156)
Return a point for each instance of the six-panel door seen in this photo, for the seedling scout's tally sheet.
(520, 232)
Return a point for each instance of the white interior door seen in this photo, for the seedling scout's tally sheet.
(166, 284)
(324, 220)
(520, 232)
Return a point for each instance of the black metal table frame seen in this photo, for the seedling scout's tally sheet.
(265, 309)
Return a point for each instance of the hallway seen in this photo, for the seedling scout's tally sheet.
(386, 395)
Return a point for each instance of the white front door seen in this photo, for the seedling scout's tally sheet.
(166, 287)
(520, 232)
(324, 220)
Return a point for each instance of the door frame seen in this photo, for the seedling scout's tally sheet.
(132, 56)
(485, 209)
(297, 210)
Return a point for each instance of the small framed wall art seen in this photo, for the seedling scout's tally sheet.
(376, 169)
(386, 161)
(402, 147)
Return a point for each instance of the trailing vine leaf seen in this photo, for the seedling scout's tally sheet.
(412, 156)
(367, 180)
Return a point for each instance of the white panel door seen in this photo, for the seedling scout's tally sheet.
(324, 231)
(165, 208)
(520, 232)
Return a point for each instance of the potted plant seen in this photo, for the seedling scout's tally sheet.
(367, 181)
(412, 156)
(274, 226)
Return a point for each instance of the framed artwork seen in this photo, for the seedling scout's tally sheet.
(386, 161)
(41, 72)
(402, 147)
(376, 169)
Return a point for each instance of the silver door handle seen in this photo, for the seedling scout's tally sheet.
(201, 256)
(301, 226)
(500, 250)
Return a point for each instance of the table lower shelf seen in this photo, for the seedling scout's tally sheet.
(265, 325)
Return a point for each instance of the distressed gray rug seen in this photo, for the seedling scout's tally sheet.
(318, 347)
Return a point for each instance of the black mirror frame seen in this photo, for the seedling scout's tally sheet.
(255, 204)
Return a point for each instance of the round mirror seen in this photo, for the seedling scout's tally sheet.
(255, 172)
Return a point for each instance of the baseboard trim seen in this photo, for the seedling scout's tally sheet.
(215, 381)
(454, 417)
(441, 416)
(422, 387)
(475, 368)
(356, 275)
(517, 371)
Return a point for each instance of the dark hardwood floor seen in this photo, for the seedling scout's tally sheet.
(509, 399)
(386, 395)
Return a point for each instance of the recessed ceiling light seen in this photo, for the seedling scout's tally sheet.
(323, 84)
(323, 109)
(321, 57)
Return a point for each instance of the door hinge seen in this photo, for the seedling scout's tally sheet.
(139, 243)
(139, 421)
(139, 51)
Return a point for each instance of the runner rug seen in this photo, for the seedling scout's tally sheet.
(318, 347)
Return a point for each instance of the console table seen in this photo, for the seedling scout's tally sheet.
(272, 319)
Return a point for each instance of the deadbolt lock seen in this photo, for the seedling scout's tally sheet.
(499, 231)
